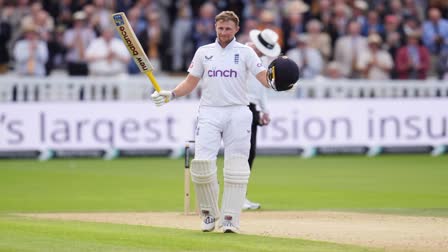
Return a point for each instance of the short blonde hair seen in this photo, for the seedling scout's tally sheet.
(227, 16)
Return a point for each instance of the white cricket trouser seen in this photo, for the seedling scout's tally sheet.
(232, 124)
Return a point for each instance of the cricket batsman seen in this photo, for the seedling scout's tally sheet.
(223, 67)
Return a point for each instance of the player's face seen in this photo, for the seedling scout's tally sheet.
(225, 31)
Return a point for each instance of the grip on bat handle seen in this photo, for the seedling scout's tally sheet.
(154, 82)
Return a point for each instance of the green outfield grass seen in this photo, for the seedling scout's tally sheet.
(407, 184)
(410, 183)
(21, 234)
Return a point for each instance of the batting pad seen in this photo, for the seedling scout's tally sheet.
(236, 177)
(204, 177)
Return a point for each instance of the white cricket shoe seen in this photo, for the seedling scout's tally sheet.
(208, 222)
(228, 227)
(248, 205)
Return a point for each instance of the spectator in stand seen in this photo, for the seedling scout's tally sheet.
(395, 7)
(159, 7)
(413, 59)
(21, 9)
(204, 26)
(349, 3)
(137, 22)
(56, 50)
(151, 40)
(92, 20)
(333, 71)
(233, 5)
(324, 14)
(318, 39)
(43, 21)
(375, 63)
(294, 23)
(76, 40)
(5, 38)
(414, 8)
(393, 39)
(435, 36)
(267, 21)
(107, 55)
(251, 9)
(441, 4)
(181, 44)
(158, 41)
(373, 24)
(40, 18)
(339, 22)
(64, 13)
(308, 59)
(102, 13)
(411, 25)
(124, 5)
(277, 8)
(250, 24)
(443, 65)
(379, 6)
(348, 49)
(359, 12)
(31, 53)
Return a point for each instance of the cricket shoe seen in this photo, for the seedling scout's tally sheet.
(208, 222)
(248, 205)
(228, 227)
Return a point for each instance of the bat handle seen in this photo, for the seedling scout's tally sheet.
(154, 82)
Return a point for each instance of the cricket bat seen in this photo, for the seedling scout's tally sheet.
(134, 47)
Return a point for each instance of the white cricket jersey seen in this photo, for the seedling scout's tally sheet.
(224, 72)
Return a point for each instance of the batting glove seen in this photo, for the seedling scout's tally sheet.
(162, 97)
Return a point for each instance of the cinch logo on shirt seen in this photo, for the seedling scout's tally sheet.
(222, 73)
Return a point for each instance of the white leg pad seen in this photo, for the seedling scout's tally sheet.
(205, 180)
(236, 177)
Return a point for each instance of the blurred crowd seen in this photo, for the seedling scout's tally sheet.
(357, 39)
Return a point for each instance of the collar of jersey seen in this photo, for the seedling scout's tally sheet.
(230, 45)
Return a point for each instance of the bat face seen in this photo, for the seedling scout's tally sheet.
(134, 47)
(131, 42)
(127, 40)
